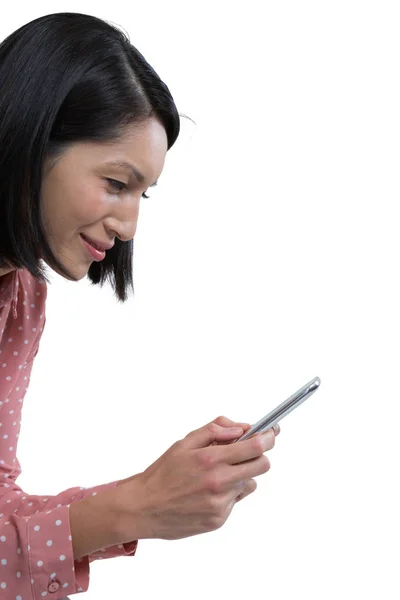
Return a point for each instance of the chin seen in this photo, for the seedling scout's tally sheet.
(76, 272)
(79, 273)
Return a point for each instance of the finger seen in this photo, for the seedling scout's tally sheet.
(249, 489)
(225, 422)
(277, 429)
(253, 447)
(205, 436)
(248, 470)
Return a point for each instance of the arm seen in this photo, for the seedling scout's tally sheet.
(35, 530)
(37, 538)
(93, 523)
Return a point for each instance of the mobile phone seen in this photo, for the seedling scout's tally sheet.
(283, 409)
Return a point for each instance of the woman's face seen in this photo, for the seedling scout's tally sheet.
(85, 194)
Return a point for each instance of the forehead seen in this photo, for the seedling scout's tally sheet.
(143, 145)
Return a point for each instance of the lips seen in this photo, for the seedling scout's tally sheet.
(102, 247)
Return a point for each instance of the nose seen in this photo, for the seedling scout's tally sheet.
(123, 232)
(123, 221)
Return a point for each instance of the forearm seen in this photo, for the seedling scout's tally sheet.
(94, 523)
(122, 481)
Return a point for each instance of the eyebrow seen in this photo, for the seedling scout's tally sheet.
(121, 163)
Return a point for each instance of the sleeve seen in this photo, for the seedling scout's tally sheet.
(36, 553)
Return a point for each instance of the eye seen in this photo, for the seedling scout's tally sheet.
(117, 186)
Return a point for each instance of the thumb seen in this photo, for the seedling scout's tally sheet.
(203, 437)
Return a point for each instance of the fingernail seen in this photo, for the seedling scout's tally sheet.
(276, 428)
(269, 432)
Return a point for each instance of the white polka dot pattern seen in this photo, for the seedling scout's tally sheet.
(36, 553)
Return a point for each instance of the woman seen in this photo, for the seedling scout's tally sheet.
(85, 125)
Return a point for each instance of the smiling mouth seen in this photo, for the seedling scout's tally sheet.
(94, 252)
(92, 243)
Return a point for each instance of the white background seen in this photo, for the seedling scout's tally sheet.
(268, 255)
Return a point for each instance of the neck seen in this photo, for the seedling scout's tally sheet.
(5, 271)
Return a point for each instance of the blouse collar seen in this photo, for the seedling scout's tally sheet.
(9, 286)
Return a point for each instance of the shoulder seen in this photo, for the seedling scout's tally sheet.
(32, 309)
(34, 290)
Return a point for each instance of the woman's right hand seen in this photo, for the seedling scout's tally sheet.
(193, 487)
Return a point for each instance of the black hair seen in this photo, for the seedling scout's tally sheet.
(64, 78)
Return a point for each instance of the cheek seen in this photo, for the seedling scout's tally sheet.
(70, 205)
(88, 205)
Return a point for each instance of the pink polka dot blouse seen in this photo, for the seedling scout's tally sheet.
(36, 554)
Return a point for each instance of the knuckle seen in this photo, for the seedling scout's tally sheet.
(213, 484)
(215, 504)
(213, 428)
(258, 445)
(249, 489)
(241, 485)
(265, 464)
(216, 522)
(217, 512)
(178, 445)
(206, 459)
(184, 442)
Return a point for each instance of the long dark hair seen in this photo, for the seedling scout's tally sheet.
(64, 78)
